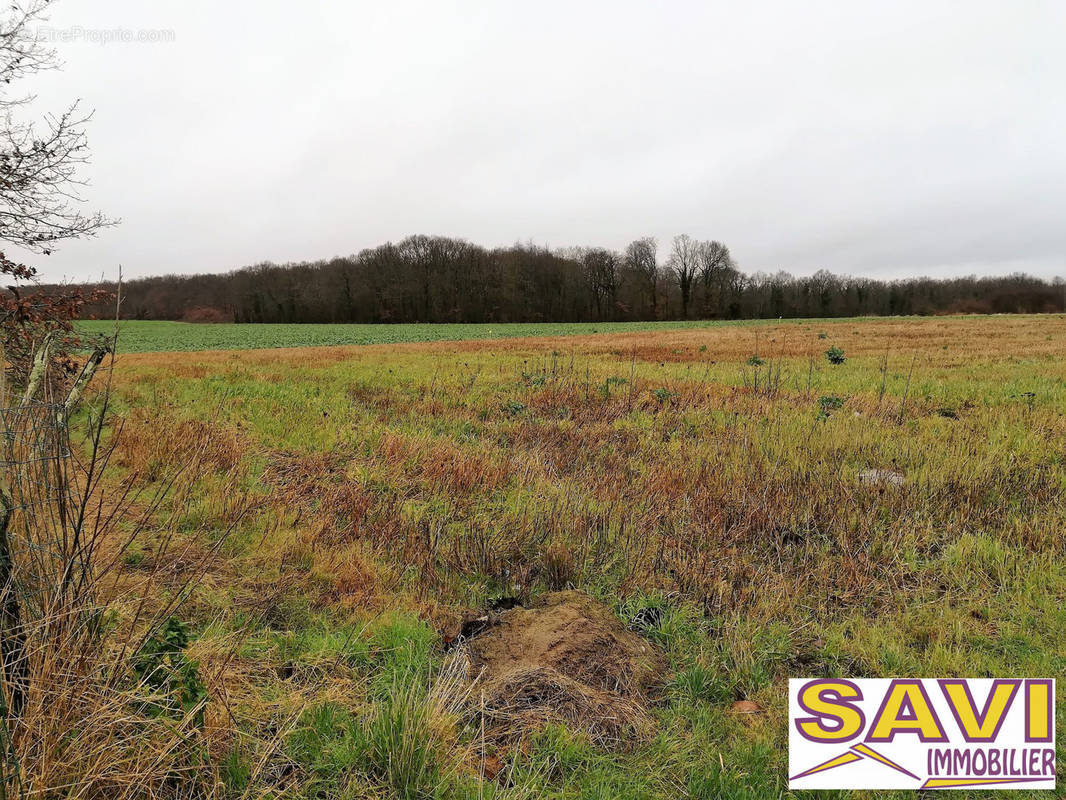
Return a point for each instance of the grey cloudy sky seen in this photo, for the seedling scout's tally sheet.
(880, 138)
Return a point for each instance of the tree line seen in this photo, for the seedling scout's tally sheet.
(441, 279)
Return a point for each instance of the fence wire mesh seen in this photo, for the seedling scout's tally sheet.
(38, 494)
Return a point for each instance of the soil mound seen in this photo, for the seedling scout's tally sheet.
(567, 660)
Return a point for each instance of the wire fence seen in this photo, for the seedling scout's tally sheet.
(37, 492)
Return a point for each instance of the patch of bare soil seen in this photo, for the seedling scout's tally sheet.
(568, 660)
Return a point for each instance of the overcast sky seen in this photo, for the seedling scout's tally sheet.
(882, 139)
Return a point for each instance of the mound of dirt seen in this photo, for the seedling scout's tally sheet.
(567, 660)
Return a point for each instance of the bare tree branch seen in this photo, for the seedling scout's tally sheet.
(39, 163)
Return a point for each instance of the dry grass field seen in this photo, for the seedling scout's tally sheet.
(751, 509)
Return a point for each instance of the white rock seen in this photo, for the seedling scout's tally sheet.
(880, 477)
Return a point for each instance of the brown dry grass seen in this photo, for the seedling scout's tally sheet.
(986, 337)
(432, 477)
(675, 509)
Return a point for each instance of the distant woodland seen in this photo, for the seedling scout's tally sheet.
(438, 279)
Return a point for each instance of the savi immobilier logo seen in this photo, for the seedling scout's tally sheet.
(878, 733)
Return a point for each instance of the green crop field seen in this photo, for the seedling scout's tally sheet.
(151, 336)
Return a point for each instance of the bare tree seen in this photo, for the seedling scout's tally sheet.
(38, 197)
(525, 283)
(641, 260)
(38, 162)
(684, 263)
(602, 274)
(717, 274)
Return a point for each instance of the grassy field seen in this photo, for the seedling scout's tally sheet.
(374, 495)
(148, 336)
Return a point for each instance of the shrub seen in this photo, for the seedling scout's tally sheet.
(830, 402)
(513, 408)
(827, 404)
(664, 395)
(168, 676)
(206, 314)
(835, 355)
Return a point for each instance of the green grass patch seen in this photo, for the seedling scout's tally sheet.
(149, 336)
